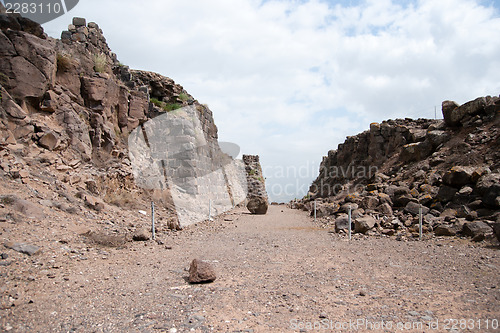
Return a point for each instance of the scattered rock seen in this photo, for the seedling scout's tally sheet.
(201, 272)
(414, 208)
(141, 235)
(342, 223)
(489, 188)
(446, 230)
(458, 176)
(23, 248)
(476, 229)
(363, 224)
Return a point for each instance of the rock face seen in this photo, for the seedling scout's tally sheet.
(257, 196)
(450, 169)
(201, 272)
(72, 101)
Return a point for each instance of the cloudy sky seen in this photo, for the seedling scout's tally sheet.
(290, 79)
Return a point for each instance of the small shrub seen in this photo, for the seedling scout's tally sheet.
(156, 102)
(4, 79)
(100, 63)
(165, 106)
(184, 97)
(63, 62)
(171, 106)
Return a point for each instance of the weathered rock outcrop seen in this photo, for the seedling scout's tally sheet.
(450, 170)
(257, 195)
(68, 106)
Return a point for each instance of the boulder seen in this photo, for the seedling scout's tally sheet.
(94, 203)
(12, 108)
(496, 230)
(385, 209)
(415, 152)
(363, 224)
(345, 207)
(447, 108)
(488, 187)
(257, 205)
(141, 235)
(79, 22)
(201, 272)
(342, 222)
(459, 115)
(23, 248)
(414, 208)
(48, 141)
(446, 230)
(370, 202)
(446, 193)
(458, 176)
(437, 138)
(476, 228)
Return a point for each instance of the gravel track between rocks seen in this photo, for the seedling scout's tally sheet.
(278, 272)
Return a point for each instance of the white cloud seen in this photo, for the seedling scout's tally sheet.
(290, 79)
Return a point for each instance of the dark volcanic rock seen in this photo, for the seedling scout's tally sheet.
(201, 272)
(489, 187)
(363, 224)
(474, 229)
(257, 206)
(446, 230)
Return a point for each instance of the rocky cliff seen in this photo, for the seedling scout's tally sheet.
(450, 169)
(67, 111)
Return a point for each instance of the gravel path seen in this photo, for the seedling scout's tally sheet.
(276, 273)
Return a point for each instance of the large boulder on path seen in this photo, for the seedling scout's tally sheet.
(201, 272)
(257, 206)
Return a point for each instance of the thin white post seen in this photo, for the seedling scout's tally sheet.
(349, 223)
(314, 210)
(153, 231)
(420, 222)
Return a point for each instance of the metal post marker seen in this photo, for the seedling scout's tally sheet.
(153, 219)
(210, 210)
(349, 223)
(314, 210)
(420, 222)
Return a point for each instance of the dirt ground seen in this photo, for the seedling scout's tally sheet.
(278, 272)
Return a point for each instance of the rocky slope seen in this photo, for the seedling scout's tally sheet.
(450, 169)
(66, 111)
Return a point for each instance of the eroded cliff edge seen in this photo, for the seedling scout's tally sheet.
(67, 109)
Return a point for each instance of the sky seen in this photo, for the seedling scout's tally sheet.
(288, 80)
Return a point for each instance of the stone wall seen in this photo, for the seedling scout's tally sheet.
(257, 195)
